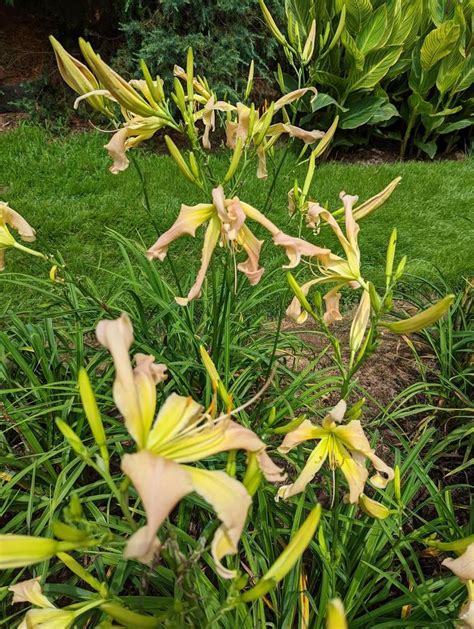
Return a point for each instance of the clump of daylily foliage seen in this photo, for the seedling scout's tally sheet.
(171, 448)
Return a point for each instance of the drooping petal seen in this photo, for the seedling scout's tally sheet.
(189, 219)
(332, 299)
(210, 242)
(116, 149)
(147, 374)
(294, 310)
(308, 137)
(117, 336)
(312, 467)
(16, 221)
(236, 218)
(353, 437)
(262, 172)
(355, 472)
(384, 472)
(176, 414)
(161, 484)
(252, 246)
(231, 501)
(289, 98)
(30, 591)
(313, 214)
(305, 431)
(258, 217)
(221, 436)
(297, 247)
(335, 415)
(463, 566)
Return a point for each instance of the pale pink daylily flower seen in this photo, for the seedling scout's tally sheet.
(30, 591)
(227, 223)
(345, 446)
(333, 268)
(182, 433)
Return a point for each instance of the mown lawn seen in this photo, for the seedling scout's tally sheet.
(63, 187)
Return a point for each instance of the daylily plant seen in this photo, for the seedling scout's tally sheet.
(344, 446)
(226, 223)
(333, 268)
(8, 217)
(182, 433)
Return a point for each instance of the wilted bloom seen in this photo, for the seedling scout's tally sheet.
(345, 446)
(30, 592)
(49, 618)
(463, 566)
(256, 128)
(226, 222)
(332, 267)
(182, 433)
(8, 217)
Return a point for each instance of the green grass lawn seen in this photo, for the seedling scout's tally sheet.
(63, 187)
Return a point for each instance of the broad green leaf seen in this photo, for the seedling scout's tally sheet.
(456, 126)
(360, 111)
(437, 9)
(386, 112)
(326, 78)
(377, 65)
(375, 33)
(351, 47)
(324, 100)
(429, 148)
(467, 75)
(358, 13)
(418, 104)
(408, 26)
(438, 44)
(450, 70)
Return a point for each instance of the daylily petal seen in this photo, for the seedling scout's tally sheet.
(353, 437)
(356, 474)
(463, 566)
(262, 172)
(236, 218)
(161, 484)
(385, 475)
(252, 246)
(373, 508)
(308, 137)
(210, 242)
(292, 96)
(231, 501)
(176, 414)
(312, 467)
(116, 150)
(294, 310)
(30, 592)
(189, 219)
(17, 222)
(257, 216)
(466, 615)
(297, 247)
(147, 374)
(332, 299)
(117, 336)
(313, 214)
(305, 431)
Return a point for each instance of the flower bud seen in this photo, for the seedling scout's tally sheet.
(373, 508)
(93, 415)
(423, 319)
(335, 615)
